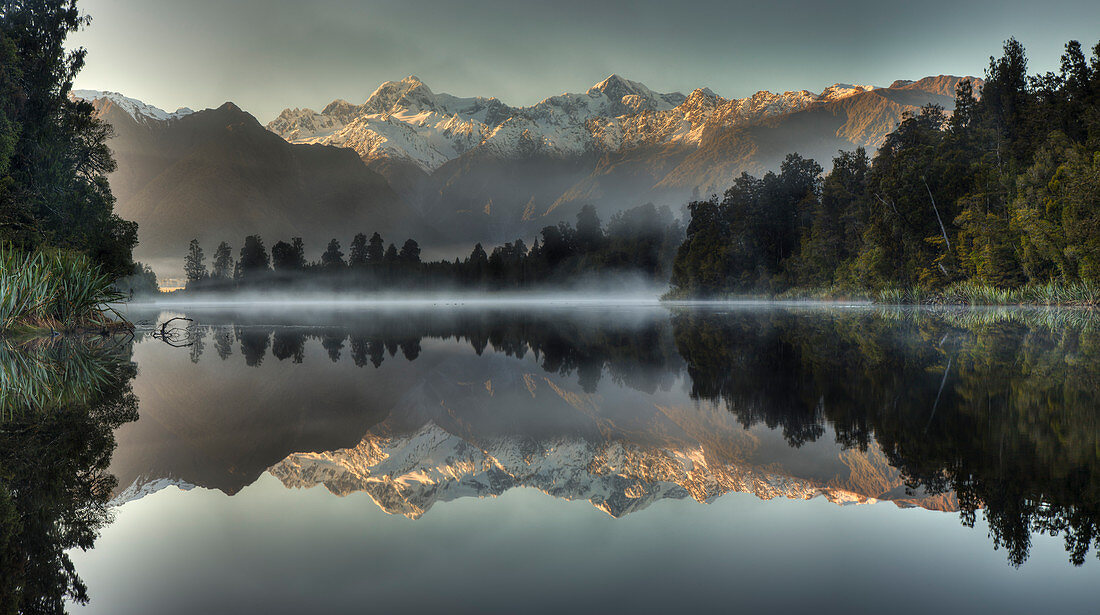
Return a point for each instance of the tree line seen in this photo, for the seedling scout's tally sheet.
(54, 158)
(641, 240)
(1004, 192)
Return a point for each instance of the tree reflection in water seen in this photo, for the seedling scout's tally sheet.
(998, 406)
(60, 403)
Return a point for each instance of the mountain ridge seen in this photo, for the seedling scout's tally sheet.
(473, 169)
(218, 174)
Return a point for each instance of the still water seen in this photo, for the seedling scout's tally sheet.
(566, 458)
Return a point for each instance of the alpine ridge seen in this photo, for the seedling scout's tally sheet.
(492, 171)
(416, 163)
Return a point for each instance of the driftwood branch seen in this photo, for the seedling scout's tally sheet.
(177, 337)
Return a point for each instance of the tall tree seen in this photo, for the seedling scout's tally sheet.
(194, 265)
(410, 252)
(223, 262)
(589, 232)
(285, 257)
(254, 259)
(376, 249)
(358, 256)
(333, 258)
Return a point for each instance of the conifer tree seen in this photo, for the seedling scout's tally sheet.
(194, 265)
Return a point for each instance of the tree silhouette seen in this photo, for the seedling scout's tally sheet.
(253, 260)
(194, 265)
(223, 262)
(358, 255)
(410, 253)
(333, 258)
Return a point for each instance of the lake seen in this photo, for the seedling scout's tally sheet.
(425, 457)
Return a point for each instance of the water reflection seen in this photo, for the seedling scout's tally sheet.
(998, 407)
(992, 411)
(60, 402)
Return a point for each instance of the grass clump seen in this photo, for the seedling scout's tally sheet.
(1085, 294)
(55, 290)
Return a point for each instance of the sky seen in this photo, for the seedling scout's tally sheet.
(267, 55)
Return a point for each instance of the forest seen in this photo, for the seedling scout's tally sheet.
(996, 202)
(62, 246)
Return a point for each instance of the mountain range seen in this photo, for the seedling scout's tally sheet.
(451, 170)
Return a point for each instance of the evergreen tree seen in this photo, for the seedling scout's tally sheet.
(223, 262)
(358, 256)
(376, 251)
(194, 265)
(477, 264)
(286, 257)
(254, 260)
(333, 258)
(410, 252)
(299, 248)
(391, 255)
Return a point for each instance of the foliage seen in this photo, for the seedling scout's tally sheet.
(194, 264)
(61, 403)
(990, 204)
(54, 158)
(53, 289)
(997, 408)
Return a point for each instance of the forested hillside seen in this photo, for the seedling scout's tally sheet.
(1002, 194)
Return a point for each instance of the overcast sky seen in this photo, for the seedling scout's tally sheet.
(265, 55)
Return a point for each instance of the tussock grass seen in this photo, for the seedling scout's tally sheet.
(55, 290)
(1085, 294)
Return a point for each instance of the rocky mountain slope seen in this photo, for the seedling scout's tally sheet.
(492, 170)
(217, 174)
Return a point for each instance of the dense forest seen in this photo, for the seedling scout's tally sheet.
(641, 241)
(1004, 193)
(54, 157)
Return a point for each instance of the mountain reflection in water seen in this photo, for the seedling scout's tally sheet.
(983, 410)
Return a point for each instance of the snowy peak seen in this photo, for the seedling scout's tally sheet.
(406, 121)
(141, 112)
(633, 96)
(409, 94)
(838, 91)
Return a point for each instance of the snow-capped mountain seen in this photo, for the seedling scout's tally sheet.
(141, 112)
(490, 172)
(406, 120)
(466, 170)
